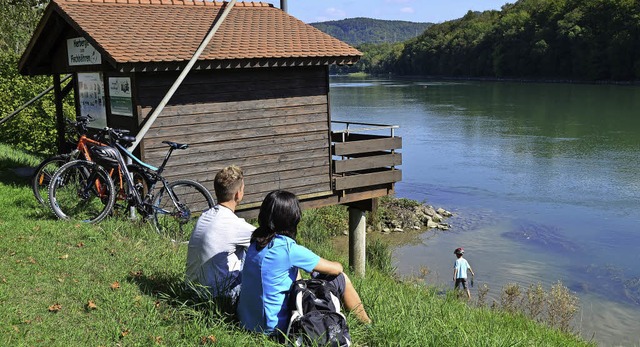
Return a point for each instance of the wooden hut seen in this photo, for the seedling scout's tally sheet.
(257, 97)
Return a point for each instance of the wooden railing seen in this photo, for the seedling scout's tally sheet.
(364, 158)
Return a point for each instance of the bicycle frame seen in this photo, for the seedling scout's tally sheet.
(139, 201)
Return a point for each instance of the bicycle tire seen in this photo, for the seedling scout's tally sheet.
(140, 179)
(42, 176)
(81, 190)
(177, 222)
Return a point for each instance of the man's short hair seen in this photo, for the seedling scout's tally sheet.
(227, 183)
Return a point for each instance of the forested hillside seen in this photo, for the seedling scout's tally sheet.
(549, 39)
(356, 31)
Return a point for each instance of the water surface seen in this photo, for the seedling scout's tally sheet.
(543, 179)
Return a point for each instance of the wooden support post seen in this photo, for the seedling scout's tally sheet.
(57, 93)
(357, 240)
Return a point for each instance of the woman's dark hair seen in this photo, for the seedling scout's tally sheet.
(279, 214)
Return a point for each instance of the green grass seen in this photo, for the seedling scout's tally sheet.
(134, 278)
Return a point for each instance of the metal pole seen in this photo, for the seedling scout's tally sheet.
(57, 92)
(32, 101)
(183, 74)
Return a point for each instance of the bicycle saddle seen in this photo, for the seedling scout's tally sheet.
(175, 145)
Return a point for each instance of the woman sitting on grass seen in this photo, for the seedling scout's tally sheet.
(271, 266)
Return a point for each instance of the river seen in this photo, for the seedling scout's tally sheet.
(543, 180)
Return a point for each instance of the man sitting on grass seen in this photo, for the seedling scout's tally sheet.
(219, 241)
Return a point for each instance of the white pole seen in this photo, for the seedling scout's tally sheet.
(183, 74)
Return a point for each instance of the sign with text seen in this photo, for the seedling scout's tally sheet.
(120, 96)
(91, 97)
(81, 52)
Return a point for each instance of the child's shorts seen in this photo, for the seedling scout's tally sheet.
(462, 281)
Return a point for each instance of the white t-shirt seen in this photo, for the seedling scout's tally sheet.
(216, 252)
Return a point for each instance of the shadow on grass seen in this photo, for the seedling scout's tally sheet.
(174, 292)
(13, 172)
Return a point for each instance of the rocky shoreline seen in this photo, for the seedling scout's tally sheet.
(400, 214)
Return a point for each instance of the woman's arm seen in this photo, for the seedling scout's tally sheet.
(328, 267)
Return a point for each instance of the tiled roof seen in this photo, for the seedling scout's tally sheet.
(134, 31)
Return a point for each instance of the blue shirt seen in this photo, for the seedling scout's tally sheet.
(461, 265)
(266, 280)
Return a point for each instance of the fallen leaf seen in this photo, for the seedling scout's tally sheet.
(61, 280)
(135, 274)
(115, 285)
(15, 328)
(64, 256)
(157, 303)
(12, 254)
(91, 305)
(32, 261)
(157, 339)
(125, 332)
(55, 307)
(79, 245)
(208, 339)
(4, 280)
(77, 225)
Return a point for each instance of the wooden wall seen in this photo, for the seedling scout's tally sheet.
(274, 123)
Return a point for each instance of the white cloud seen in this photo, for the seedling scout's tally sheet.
(333, 12)
(407, 10)
(398, 1)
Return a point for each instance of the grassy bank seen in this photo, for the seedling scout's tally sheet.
(119, 283)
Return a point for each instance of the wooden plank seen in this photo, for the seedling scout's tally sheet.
(193, 109)
(158, 153)
(325, 200)
(151, 142)
(365, 146)
(254, 196)
(267, 93)
(367, 179)
(178, 130)
(213, 115)
(252, 152)
(275, 176)
(229, 76)
(371, 162)
(263, 160)
(350, 137)
(213, 86)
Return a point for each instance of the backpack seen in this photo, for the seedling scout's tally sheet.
(316, 319)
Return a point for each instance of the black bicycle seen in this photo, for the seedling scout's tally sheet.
(77, 150)
(85, 190)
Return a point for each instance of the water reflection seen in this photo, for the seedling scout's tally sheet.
(543, 179)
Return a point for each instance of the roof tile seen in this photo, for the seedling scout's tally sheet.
(172, 30)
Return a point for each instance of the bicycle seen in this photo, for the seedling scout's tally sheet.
(45, 171)
(83, 190)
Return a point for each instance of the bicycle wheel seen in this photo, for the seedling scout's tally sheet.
(141, 180)
(176, 219)
(42, 177)
(81, 190)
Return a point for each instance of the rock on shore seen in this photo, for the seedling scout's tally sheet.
(400, 214)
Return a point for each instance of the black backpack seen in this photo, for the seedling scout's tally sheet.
(316, 319)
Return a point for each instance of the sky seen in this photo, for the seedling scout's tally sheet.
(433, 11)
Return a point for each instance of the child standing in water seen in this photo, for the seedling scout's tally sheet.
(460, 268)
